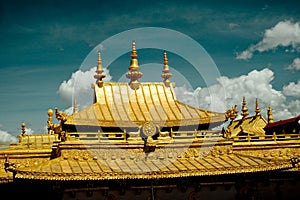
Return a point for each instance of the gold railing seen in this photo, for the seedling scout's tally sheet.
(100, 136)
(265, 138)
(196, 134)
(4, 145)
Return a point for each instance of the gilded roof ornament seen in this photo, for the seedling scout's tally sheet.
(166, 71)
(270, 115)
(244, 108)
(23, 128)
(50, 121)
(257, 109)
(134, 68)
(75, 108)
(99, 71)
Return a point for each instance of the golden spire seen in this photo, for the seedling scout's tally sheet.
(99, 71)
(50, 121)
(270, 115)
(23, 126)
(134, 68)
(244, 108)
(166, 71)
(257, 109)
(75, 108)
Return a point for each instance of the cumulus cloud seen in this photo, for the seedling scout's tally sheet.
(256, 84)
(292, 89)
(295, 65)
(79, 86)
(284, 33)
(29, 130)
(7, 137)
(294, 107)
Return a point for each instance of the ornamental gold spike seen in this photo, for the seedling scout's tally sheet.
(257, 109)
(270, 115)
(75, 108)
(166, 71)
(134, 64)
(244, 108)
(99, 71)
(23, 128)
(134, 68)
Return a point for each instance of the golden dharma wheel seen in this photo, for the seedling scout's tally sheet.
(149, 129)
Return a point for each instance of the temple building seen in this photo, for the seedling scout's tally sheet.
(138, 141)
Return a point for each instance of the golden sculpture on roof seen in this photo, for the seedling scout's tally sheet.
(134, 74)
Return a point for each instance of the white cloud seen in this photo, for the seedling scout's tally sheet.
(256, 84)
(6, 137)
(232, 25)
(295, 65)
(79, 86)
(245, 55)
(29, 130)
(284, 33)
(292, 89)
(294, 107)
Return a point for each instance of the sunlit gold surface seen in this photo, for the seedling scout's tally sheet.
(119, 106)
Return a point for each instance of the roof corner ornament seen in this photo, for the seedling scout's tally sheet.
(134, 74)
(244, 108)
(60, 116)
(257, 109)
(99, 71)
(8, 166)
(270, 115)
(166, 75)
(50, 121)
(231, 113)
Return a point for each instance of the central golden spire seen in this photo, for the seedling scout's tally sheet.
(134, 68)
(166, 71)
(244, 108)
(99, 71)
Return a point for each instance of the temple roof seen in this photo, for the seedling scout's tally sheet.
(96, 167)
(284, 122)
(253, 125)
(118, 105)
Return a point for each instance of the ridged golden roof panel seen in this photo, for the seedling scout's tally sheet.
(253, 125)
(85, 169)
(117, 104)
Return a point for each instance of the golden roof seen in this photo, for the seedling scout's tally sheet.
(103, 164)
(118, 105)
(30, 150)
(253, 125)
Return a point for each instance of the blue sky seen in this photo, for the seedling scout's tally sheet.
(44, 42)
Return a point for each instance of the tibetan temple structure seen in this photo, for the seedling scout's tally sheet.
(137, 141)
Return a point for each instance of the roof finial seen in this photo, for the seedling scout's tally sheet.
(23, 126)
(134, 68)
(244, 108)
(50, 121)
(257, 109)
(99, 71)
(270, 115)
(166, 71)
(75, 108)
